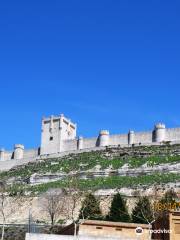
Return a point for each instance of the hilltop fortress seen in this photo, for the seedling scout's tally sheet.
(59, 136)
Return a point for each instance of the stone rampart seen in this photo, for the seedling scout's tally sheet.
(68, 142)
(143, 137)
(8, 164)
(173, 134)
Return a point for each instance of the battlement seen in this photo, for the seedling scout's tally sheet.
(160, 126)
(58, 135)
(104, 132)
(56, 118)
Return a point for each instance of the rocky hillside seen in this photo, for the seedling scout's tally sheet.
(112, 168)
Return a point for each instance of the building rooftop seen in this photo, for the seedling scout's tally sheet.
(114, 224)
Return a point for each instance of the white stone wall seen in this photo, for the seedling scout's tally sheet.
(173, 134)
(69, 145)
(34, 236)
(90, 142)
(8, 164)
(30, 153)
(8, 155)
(143, 137)
(118, 139)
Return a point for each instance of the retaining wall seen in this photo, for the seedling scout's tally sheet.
(33, 236)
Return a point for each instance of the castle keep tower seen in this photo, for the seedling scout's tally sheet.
(55, 130)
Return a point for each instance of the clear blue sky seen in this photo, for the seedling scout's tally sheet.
(105, 64)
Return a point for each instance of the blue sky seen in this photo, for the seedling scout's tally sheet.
(105, 64)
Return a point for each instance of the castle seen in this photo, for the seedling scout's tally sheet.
(59, 136)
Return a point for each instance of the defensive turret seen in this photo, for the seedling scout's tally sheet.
(160, 132)
(104, 138)
(18, 151)
(2, 153)
(80, 143)
(131, 137)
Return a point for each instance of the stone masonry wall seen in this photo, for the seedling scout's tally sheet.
(29, 153)
(173, 134)
(144, 138)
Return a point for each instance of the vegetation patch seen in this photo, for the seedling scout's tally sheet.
(133, 157)
(99, 183)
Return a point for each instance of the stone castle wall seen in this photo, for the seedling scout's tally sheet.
(29, 153)
(59, 136)
(173, 134)
(89, 142)
(140, 138)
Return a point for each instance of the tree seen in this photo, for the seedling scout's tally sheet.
(118, 210)
(90, 208)
(73, 200)
(52, 203)
(142, 212)
(6, 205)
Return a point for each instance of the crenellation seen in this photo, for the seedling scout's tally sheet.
(58, 136)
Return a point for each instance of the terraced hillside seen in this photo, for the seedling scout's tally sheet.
(113, 167)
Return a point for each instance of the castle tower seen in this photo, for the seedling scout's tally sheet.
(55, 130)
(18, 151)
(2, 153)
(160, 132)
(103, 138)
(80, 143)
(131, 137)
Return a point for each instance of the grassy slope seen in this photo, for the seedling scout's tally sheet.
(134, 157)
